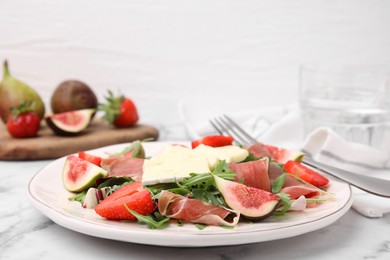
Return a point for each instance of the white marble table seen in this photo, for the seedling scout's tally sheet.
(25, 233)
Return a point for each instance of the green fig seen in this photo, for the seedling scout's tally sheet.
(13, 92)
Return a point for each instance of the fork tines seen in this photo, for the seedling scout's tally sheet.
(225, 125)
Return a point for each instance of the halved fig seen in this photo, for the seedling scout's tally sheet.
(252, 203)
(79, 174)
(70, 123)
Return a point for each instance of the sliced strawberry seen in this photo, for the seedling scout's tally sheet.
(297, 169)
(133, 195)
(213, 141)
(195, 143)
(90, 158)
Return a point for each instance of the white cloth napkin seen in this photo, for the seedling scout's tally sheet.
(282, 126)
(326, 146)
(369, 205)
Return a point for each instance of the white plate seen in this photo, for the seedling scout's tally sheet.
(50, 197)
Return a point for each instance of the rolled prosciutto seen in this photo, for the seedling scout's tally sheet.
(196, 211)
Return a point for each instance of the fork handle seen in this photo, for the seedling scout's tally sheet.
(376, 186)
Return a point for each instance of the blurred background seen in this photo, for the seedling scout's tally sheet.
(213, 55)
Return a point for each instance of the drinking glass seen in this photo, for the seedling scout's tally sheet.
(353, 100)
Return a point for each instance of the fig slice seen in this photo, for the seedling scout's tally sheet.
(79, 174)
(70, 123)
(252, 203)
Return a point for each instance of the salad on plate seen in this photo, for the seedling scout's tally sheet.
(210, 183)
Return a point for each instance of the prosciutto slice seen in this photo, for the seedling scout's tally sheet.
(259, 150)
(253, 173)
(124, 166)
(179, 207)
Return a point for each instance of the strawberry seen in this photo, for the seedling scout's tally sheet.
(120, 111)
(133, 195)
(213, 141)
(23, 122)
(302, 172)
(90, 158)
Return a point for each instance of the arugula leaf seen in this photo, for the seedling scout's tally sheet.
(286, 203)
(202, 185)
(198, 180)
(211, 197)
(156, 189)
(79, 197)
(206, 180)
(135, 147)
(316, 199)
(200, 226)
(250, 158)
(156, 222)
(222, 166)
(115, 181)
(227, 227)
(278, 183)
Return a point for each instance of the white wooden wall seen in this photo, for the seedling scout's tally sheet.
(213, 53)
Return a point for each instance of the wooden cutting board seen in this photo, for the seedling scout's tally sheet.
(50, 146)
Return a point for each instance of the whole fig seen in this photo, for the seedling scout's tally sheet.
(72, 95)
(13, 92)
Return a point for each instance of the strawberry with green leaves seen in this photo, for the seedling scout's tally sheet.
(119, 111)
(24, 122)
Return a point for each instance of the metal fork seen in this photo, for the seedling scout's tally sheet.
(380, 187)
